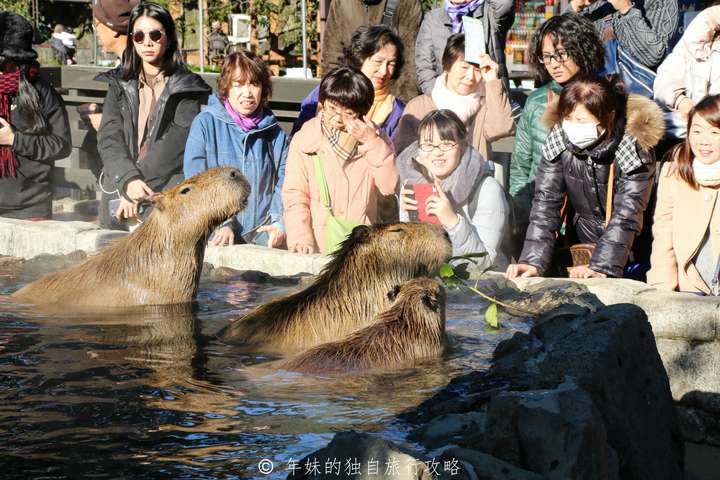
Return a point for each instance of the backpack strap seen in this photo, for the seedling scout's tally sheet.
(389, 12)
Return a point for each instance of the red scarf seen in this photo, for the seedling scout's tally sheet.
(9, 83)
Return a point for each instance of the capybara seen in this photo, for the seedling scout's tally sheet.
(411, 330)
(161, 261)
(348, 293)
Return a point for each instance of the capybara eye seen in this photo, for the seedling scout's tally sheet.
(396, 230)
(392, 294)
(185, 190)
(430, 302)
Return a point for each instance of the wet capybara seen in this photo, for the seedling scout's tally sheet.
(411, 330)
(161, 261)
(348, 293)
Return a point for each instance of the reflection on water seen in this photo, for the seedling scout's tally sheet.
(152, 394)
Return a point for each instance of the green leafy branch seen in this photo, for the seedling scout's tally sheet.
(456, 275)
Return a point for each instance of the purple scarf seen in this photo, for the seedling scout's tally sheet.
(456, 12)
(245, 123)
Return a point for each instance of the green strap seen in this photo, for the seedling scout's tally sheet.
(322, 183)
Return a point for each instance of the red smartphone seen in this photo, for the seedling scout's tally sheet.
(422, 192)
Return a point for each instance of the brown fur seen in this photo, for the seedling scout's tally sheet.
(349, 292)
(411, 330)
(645, 120)
(161, 261)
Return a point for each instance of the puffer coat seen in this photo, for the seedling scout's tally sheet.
(582, 175)
(530, 135)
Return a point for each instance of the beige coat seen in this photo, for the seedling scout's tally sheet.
(682, 216)
(493, 120)
(353, 185)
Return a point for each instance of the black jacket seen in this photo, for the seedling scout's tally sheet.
(30, 193)
(177, 106)
(583, 175)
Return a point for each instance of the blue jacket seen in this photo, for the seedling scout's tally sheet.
(308, 109)
(215, 140)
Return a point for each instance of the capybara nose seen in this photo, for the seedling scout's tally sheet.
(235, 174)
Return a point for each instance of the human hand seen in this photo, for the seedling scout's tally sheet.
(440, 206)
(301, 248)
(223, 236)
(365, 131)
(276, 237)
(7, 135)
(622, 6)
(580, 5)
(95, 120)
(584, 271)
(488, 68)
(138, 190)
(126, 209)
(407, 199)
(521, 270)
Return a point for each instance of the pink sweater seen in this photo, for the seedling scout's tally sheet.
(353, 186)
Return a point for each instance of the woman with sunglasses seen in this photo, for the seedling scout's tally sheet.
(468, 203)
(564, 47)
(34, 128)
(148, 112)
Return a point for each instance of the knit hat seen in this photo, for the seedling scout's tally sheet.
(114, 13)
(16, 39)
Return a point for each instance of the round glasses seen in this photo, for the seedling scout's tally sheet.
(560, 56)
(443, 147)
(155, 35)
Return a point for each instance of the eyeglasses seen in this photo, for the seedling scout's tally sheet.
(155, 35)
(561, 56)
(334, 111)
(443, 147)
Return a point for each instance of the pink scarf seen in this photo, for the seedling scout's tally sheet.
(246, 123)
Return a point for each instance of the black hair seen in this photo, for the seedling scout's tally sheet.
(579, 39)
(366, 41)
(454, 50)
(28, 98)
(604, 97)
(172, 60)
(348, 88)
(448, 125)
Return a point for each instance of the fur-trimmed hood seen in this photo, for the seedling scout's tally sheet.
(645, 119)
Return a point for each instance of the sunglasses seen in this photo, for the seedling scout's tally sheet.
(155, 35)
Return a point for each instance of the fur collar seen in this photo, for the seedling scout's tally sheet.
(645, 119)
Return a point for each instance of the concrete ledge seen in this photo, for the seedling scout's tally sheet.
(24, 239)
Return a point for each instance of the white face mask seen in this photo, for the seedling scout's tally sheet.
(580, 134)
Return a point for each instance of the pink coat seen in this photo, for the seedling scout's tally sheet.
(353, 186)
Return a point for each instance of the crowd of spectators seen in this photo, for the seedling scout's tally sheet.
(621, 135)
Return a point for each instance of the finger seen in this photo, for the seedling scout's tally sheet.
(438, 189)
(526, 274)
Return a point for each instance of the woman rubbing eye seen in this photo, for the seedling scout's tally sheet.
(147, 113)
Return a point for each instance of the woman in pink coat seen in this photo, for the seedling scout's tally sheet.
(356, 158)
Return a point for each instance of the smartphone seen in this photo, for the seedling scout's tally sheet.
(113, 206)
(412, 214)
(422, 192)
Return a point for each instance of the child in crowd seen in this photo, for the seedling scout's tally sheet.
(238, 129)
(686, 232)
(342, 153)
(468, 203)
(598, 160)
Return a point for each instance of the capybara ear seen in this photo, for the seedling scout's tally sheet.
(430, 302)
(158, 200)
(360, 233)
(392, 294)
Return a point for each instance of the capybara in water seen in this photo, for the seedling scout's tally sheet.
(348, 293)
(411, 330)
(161, 261)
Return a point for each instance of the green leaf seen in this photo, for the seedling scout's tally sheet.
(451, 283)
(491, 316)
(447, 271)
